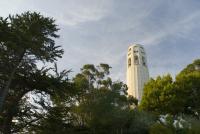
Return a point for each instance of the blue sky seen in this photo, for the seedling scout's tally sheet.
(96, 31)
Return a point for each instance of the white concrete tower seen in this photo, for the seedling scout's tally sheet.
(137, 70)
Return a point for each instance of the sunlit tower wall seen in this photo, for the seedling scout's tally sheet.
(137, 70)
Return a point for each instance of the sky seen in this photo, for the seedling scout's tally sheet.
(100, 31)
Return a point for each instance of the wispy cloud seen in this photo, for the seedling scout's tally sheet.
(94, 31)
(180, 27)
(79, 12)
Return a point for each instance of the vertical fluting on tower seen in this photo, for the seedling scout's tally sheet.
(137, 70)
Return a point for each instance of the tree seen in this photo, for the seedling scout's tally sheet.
(103, 106)
(48, 90)
(99, 105)
(25, 40)
(158, 96)
(188, 87)
(163, 95)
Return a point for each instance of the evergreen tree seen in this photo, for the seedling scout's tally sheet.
(25, 40)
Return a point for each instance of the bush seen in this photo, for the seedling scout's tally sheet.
(158, 128)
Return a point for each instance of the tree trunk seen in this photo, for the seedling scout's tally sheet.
(4, 91)
(10, 113)
(7, 123)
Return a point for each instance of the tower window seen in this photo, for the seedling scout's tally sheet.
(143, 61)
(129, 62)
(136, 60)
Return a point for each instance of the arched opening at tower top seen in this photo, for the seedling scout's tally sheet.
(136, 60)
(129, 62)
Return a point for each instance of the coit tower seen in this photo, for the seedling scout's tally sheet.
(137, 70)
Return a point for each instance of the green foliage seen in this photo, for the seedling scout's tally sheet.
(139, 122)
(178, 125)
(25, 40)
(29, 34)
(188, 87)
(158, 128)
(100, 103)
(158, 94)
(55, 122)
(98, 107)
(163, 95)
(195, 127)
(194, 67)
